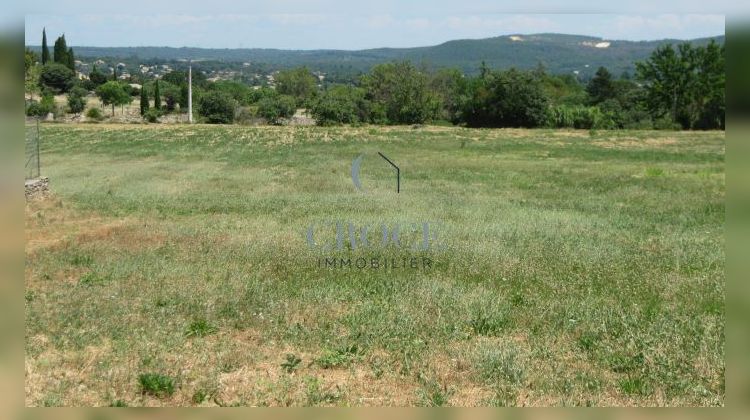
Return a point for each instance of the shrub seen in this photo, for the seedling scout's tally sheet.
(94, 114)
(42, 108)
(77, 99)
(246, 115)
(217, 108)
(340, 105)
(666, 123)
(274, 109)
(152, 115)
(580, 117)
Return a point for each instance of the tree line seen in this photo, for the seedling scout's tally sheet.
(677, 87)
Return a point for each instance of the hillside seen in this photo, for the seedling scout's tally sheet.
(559, 53)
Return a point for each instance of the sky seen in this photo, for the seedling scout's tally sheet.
(335, 24)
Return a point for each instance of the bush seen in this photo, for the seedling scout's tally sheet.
(246, 115)
(77, 99)
(274, 109)
(580, 117)
(33, 109)
(256, 95)
(217, 108)
(41, 109)
(94, 114)
(56, 77)
(666, 123)
(152, 115)
(340, 105)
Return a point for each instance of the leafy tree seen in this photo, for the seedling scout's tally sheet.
(665, 74)
(144, 101)
(256, 95)
(686, 84)
(77, 99)
(31, 77)
(509, 98)
(274, 109)
(563, 89)
(97, 78)
(61, 51)
(157, 96)
(298, 83)
(217, 108)
(237, 90)
(45, 48)
(340, 104)
(601, 87)
(402, 91)
(450, 87)
(113, 93)
(30, 59)
(710, 92)
(56, 77)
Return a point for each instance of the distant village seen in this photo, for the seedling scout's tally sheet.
(135, 74)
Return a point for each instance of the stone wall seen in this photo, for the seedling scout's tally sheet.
(38, 187)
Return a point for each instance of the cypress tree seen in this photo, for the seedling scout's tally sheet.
(71, 60)
(45, 49)
(157, 96)
(114, 73)
(144, 101)
(61, 51)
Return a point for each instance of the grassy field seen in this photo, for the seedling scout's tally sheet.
(170, 267)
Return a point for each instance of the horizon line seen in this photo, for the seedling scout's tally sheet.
(385, 47)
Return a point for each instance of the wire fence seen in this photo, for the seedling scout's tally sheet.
(33, 164)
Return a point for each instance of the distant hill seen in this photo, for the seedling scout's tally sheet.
(557, 52)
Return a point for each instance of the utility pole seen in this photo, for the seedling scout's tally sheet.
(190, 91)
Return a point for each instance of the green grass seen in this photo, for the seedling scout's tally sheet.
(200, 328)
(156, 384)
(580, 268)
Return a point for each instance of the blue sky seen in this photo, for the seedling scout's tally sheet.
(296, 24)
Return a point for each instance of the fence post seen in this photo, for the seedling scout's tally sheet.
(38, 158)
